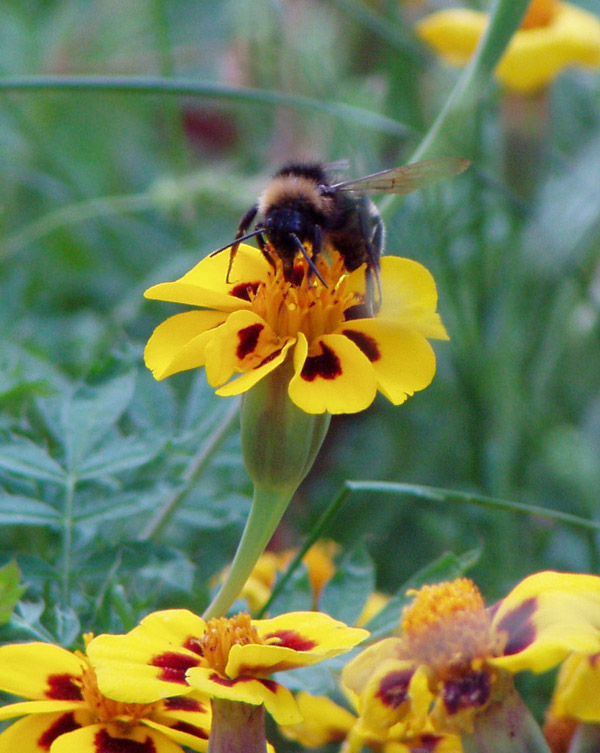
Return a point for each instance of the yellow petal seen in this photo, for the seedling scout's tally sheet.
(453, 33)
(150, 662)
(39, 707)
(324, 721)
(36, 733)
(577, 692)
(179, 342)
(403, 360)
(356, 674)
(410, 297)
(547, 616)
(536, 56)
(335, 376)
(277, 699)
(247, 380)
(40, 671)
(205, 284)
(196, 738)
(101, 738)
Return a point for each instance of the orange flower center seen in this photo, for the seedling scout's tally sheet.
(540, 13)
(447, 628)
(305, 304)
(224, 632)
(126, 715)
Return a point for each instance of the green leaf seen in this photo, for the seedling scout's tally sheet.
(10, 590)
(447, 567)
(118, 456)
(20, 510)
(24, 458)
(345, 595)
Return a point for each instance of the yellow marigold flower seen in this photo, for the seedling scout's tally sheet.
(244, 330)
(67, 713)
(577, 691)
(554, 36)
(326, 722)
(174, 652)
(457, 655)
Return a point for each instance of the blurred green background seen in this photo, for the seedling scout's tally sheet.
(105, 193)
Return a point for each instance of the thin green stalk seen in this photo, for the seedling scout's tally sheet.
(153, 85)
(268, 507)
(192, 473)
(316, 532)
(433, 494)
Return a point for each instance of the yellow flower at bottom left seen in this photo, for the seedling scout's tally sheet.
(66, 713)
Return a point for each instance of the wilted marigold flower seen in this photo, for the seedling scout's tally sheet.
(67, 712)
(175, 652)
(553, 36)
(244, 330)
(457, 655)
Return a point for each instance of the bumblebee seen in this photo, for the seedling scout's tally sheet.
(303, 211)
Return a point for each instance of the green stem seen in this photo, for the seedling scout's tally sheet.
(268, 507)
(586, 739)
(67, 539)
(236, 727)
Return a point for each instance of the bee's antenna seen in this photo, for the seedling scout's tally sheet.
(311, 263)
(236, 242)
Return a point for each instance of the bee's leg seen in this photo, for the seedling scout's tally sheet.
(242, 231)
(260, 239)
(312, 267)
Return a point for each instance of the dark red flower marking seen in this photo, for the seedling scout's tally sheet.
(189, 729)
(519, 626)
(270, 685)
(470, 691)
(367, 344)
(193, 644)
(105, 743)
(65, 723)
(64, 688)
(244, 289)
(326, 366)
(174, 666)
(270, 357)
(394, 688)
(291, 639)
(183, 703)
(428, 743)
(248, 340)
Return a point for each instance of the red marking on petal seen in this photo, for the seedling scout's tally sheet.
(183, 703)
(326, 366)
(270, 357)
(65, 723)
(368, 345)
(470, 691)
(193, 644)
(521, 630)
(245, 290)
(189, 729)
(174, 666)
(428, 743)
(393, 688)
(105, 743)
(291, 639)
(270, 685)
(248, 340)
(64, 688)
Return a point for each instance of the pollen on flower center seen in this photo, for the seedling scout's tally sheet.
(126, 715)
(540, 13)
(447, 627)
(224, 632)
(305, 304)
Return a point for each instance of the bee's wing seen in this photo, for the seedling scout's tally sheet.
(407, 178)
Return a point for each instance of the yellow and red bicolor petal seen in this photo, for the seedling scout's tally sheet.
(36, 733)
(40, 671)
(187, 717)
(247, 380)
(179, 342)
(545, 617)
(205, 284)
(277, 699)
(324, 721)
(410, 297)
(357, 673)
(109, 738)
(577, 691)
(39, 707)
(334, 376)
(245, 342)
(189, 735)
(403, 360)
(151, 661)
(397, 693)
